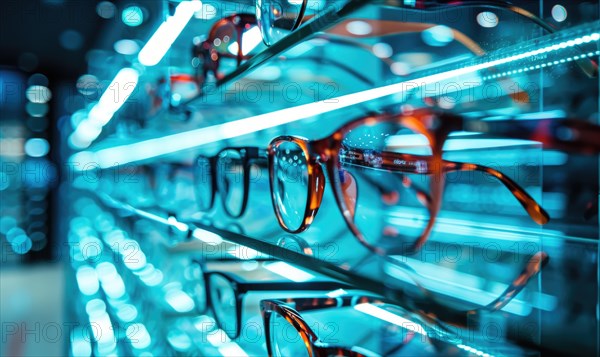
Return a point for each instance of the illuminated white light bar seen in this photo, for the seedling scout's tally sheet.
(244, 253)
(169, 144)
(474, 351)
(111, 101)
(337, 293)
(160, 42)
(390, 317)
(176, 224)
(207, 236)
(289, 272)
(231, 349)
(252, 38)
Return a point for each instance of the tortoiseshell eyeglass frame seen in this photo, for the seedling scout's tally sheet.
(331, 152)
(314, 347)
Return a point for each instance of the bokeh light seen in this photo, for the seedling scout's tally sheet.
(36, 109)
(132, 16)
(383, 50)
(487, 19)
(438, 36)
(559, 13)
(359, 28)
(71, 40)
(106, 9)
(88, 85)
(126, 47)
(38, 94)
(37, 147)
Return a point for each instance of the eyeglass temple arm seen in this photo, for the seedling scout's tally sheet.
(319, 303)
(388, 27)
(572, 135)
(420, 164)
(291, 286)
(535, 211)
(432, 311)
(535, 264)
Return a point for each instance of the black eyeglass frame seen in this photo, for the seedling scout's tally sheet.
(249, 155)
(241, 287)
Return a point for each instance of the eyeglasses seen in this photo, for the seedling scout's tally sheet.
(229, 172)
(289, 334)
(376, 146)
(385, 147)
(225, 41)
(225, 292)
(192, 187)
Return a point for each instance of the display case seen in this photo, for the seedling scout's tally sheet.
(390, 178)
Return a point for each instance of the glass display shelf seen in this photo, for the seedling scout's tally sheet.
(512, 80)
(211, 241)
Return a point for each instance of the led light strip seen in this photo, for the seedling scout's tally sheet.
(160, 42)
(289, 272)
(543, 65)
(113, 98)
(147, 149)
(390, 317)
